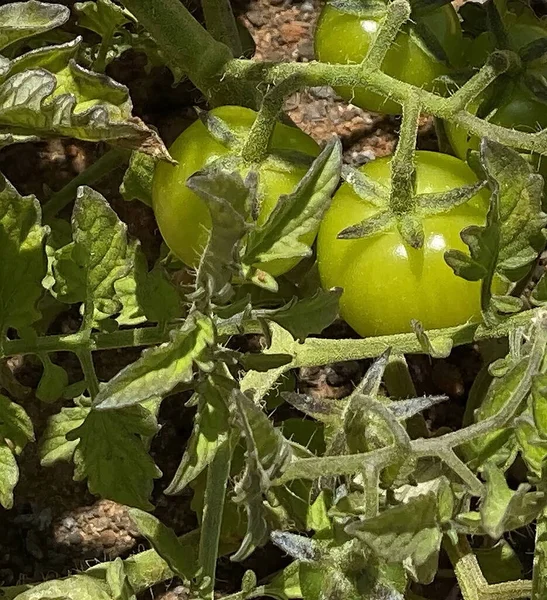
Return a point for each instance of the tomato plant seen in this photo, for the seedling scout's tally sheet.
(515, 100)
(344, 35)
(386, 282)
(183, 217)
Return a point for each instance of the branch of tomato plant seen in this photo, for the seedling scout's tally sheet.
(472, 583)
(107, 163)
(221, 24)
(257, 143)
(182, 38)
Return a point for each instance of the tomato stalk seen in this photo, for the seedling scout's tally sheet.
(182, 38)
(398, 12)
(257, 144)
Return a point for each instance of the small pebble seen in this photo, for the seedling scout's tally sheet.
(108, 538)
(75, 538)
(68, 523)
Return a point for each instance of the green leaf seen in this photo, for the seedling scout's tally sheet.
(181, 558)
(503, 509)
(45, 92)
(146, 295)
(87, 270)
(9, 475)
(15, 425)
(118, 582)
(160, 369)
(539, 293)
(75, 587)
(308, 316)
(499, 563)
(532, 448)
(210, 432)
(438, 348)
(365, 187)
(497, 446)
(298, 213)
(382, 220)
(438, 203)
(53, 382)
(21, 20)
(519, 193)
(408, 533)
(137, 181)
(268, 453)
(23, 262)
(228, 198)
(101, 16)
(54, 446)
(112, 456)
(483, 246)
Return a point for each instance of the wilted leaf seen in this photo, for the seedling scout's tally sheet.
(21, 20)
(159, 369)
(23, 262)
(111, 455)
(298, 213)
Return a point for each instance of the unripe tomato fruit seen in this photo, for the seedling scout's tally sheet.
(183, 217)
(386, 282)
(342, 38)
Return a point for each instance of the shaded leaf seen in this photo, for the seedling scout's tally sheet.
(54, 445)
(23, 262)
(210, 431)
(137, 181)
(53, 382)
(111, 455)
(159, 369)
(101, 16)
(9, 475)
(15, 425)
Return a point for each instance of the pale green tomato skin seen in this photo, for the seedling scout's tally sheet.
(342, 38)
(183, 217)
(387, 283)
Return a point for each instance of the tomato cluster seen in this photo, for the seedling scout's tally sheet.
(387, 283)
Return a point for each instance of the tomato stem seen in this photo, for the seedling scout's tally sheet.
(221, 23)
(398, 12)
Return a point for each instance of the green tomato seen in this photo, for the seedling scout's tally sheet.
(183, 217)
(344, 38)
(386, 282)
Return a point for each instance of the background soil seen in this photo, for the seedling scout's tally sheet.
(56, 526)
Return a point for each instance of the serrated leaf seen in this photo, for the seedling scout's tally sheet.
(21, 20)
(407, 533)
(298, 213)
(75, 587)
(159, 369)
(227, 197)
(112, 457)
(146, 295)
(71, 101)
(15, 424)
(23, 261)
(9, 475)
(267, 455)
(87, 270)
(532, 448)
(503, 509)
(137, 181)
(210, 432)
(496, 446)
(181, 558)
(483, 246)
(519, 192)
(308, 316)
(54, 446)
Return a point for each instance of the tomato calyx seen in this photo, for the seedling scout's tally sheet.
(407, 221)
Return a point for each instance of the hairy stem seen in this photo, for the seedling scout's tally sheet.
(221, 23)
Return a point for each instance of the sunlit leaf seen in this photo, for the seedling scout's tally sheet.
(54, 445)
